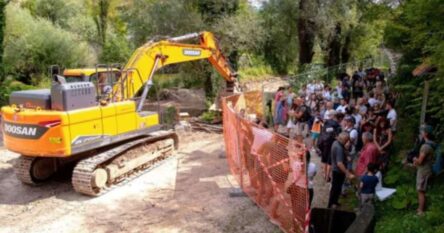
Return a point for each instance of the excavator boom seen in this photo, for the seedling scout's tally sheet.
(154, 55)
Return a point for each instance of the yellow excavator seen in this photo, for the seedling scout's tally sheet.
(99, 125)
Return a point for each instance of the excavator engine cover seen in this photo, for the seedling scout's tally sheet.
(71, 96)
(31, 99)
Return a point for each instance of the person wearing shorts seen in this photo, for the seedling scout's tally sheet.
(424, 165)
(316, 130)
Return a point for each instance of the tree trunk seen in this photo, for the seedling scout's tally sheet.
(334, 47)
(306, 35)
(3, 4)
(208, 86)
(345, 55)
(101, 20)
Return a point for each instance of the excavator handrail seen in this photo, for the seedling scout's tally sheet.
(126, 76)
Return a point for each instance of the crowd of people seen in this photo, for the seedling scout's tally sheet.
(350, 126)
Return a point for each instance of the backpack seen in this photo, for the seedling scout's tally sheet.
(438, 165)
(328, 133)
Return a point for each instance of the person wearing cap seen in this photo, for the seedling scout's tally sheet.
(424, 164)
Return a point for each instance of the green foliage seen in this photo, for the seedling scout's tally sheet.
(417, 31)
(148, 19)
(57, 12)
(405, 197)
(32, 45)
(398, 214)
(8, 86)
(84, 28)
(280, 23)
(253, 68)
(242, 32)
(214, 10)
(169, 116)
(209, 116)
(2, 28)
(392, 220)
(115, 50)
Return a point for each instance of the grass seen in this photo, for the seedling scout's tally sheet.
(255, 73)
(349, 202)
(394, 220)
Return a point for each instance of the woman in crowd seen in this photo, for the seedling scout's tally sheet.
(382, 136)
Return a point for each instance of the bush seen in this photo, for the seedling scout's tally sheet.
(32, 45)
(209, 116)
(8, 86)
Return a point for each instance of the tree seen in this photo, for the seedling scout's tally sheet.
(280, 23)
(148, 19)
(212, 11)
(3, 4)
(56, 11)
(31, 45)
(100, 11)
(306, 31)
(70, 15)
(417, 31)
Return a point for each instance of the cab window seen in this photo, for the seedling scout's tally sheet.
(74, 79)
(104, 81)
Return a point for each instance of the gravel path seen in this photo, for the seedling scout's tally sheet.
(189, 193)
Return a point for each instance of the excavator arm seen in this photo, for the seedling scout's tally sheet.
(152, 56)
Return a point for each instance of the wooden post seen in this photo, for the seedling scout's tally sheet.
(424, 101)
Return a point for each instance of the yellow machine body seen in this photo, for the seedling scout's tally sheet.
(61, 134)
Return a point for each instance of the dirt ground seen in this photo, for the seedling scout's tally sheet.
(188, 193)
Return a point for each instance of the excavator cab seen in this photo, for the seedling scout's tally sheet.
(104, 77)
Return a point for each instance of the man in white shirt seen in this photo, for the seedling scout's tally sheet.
(391, 115)
(361, 73)
(328, 109)
(326, 94)
(350, 127)
(310, 88)
(343, 107)
(358, 118)
(353, 135)
(372, 101)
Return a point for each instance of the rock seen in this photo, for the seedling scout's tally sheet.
(192, 101)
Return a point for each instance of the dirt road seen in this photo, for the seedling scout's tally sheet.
(189, 193)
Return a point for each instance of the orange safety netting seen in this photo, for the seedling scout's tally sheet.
(270, 168)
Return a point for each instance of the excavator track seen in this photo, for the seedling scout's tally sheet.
(34, 170)
(22, 170)
(101, 173)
